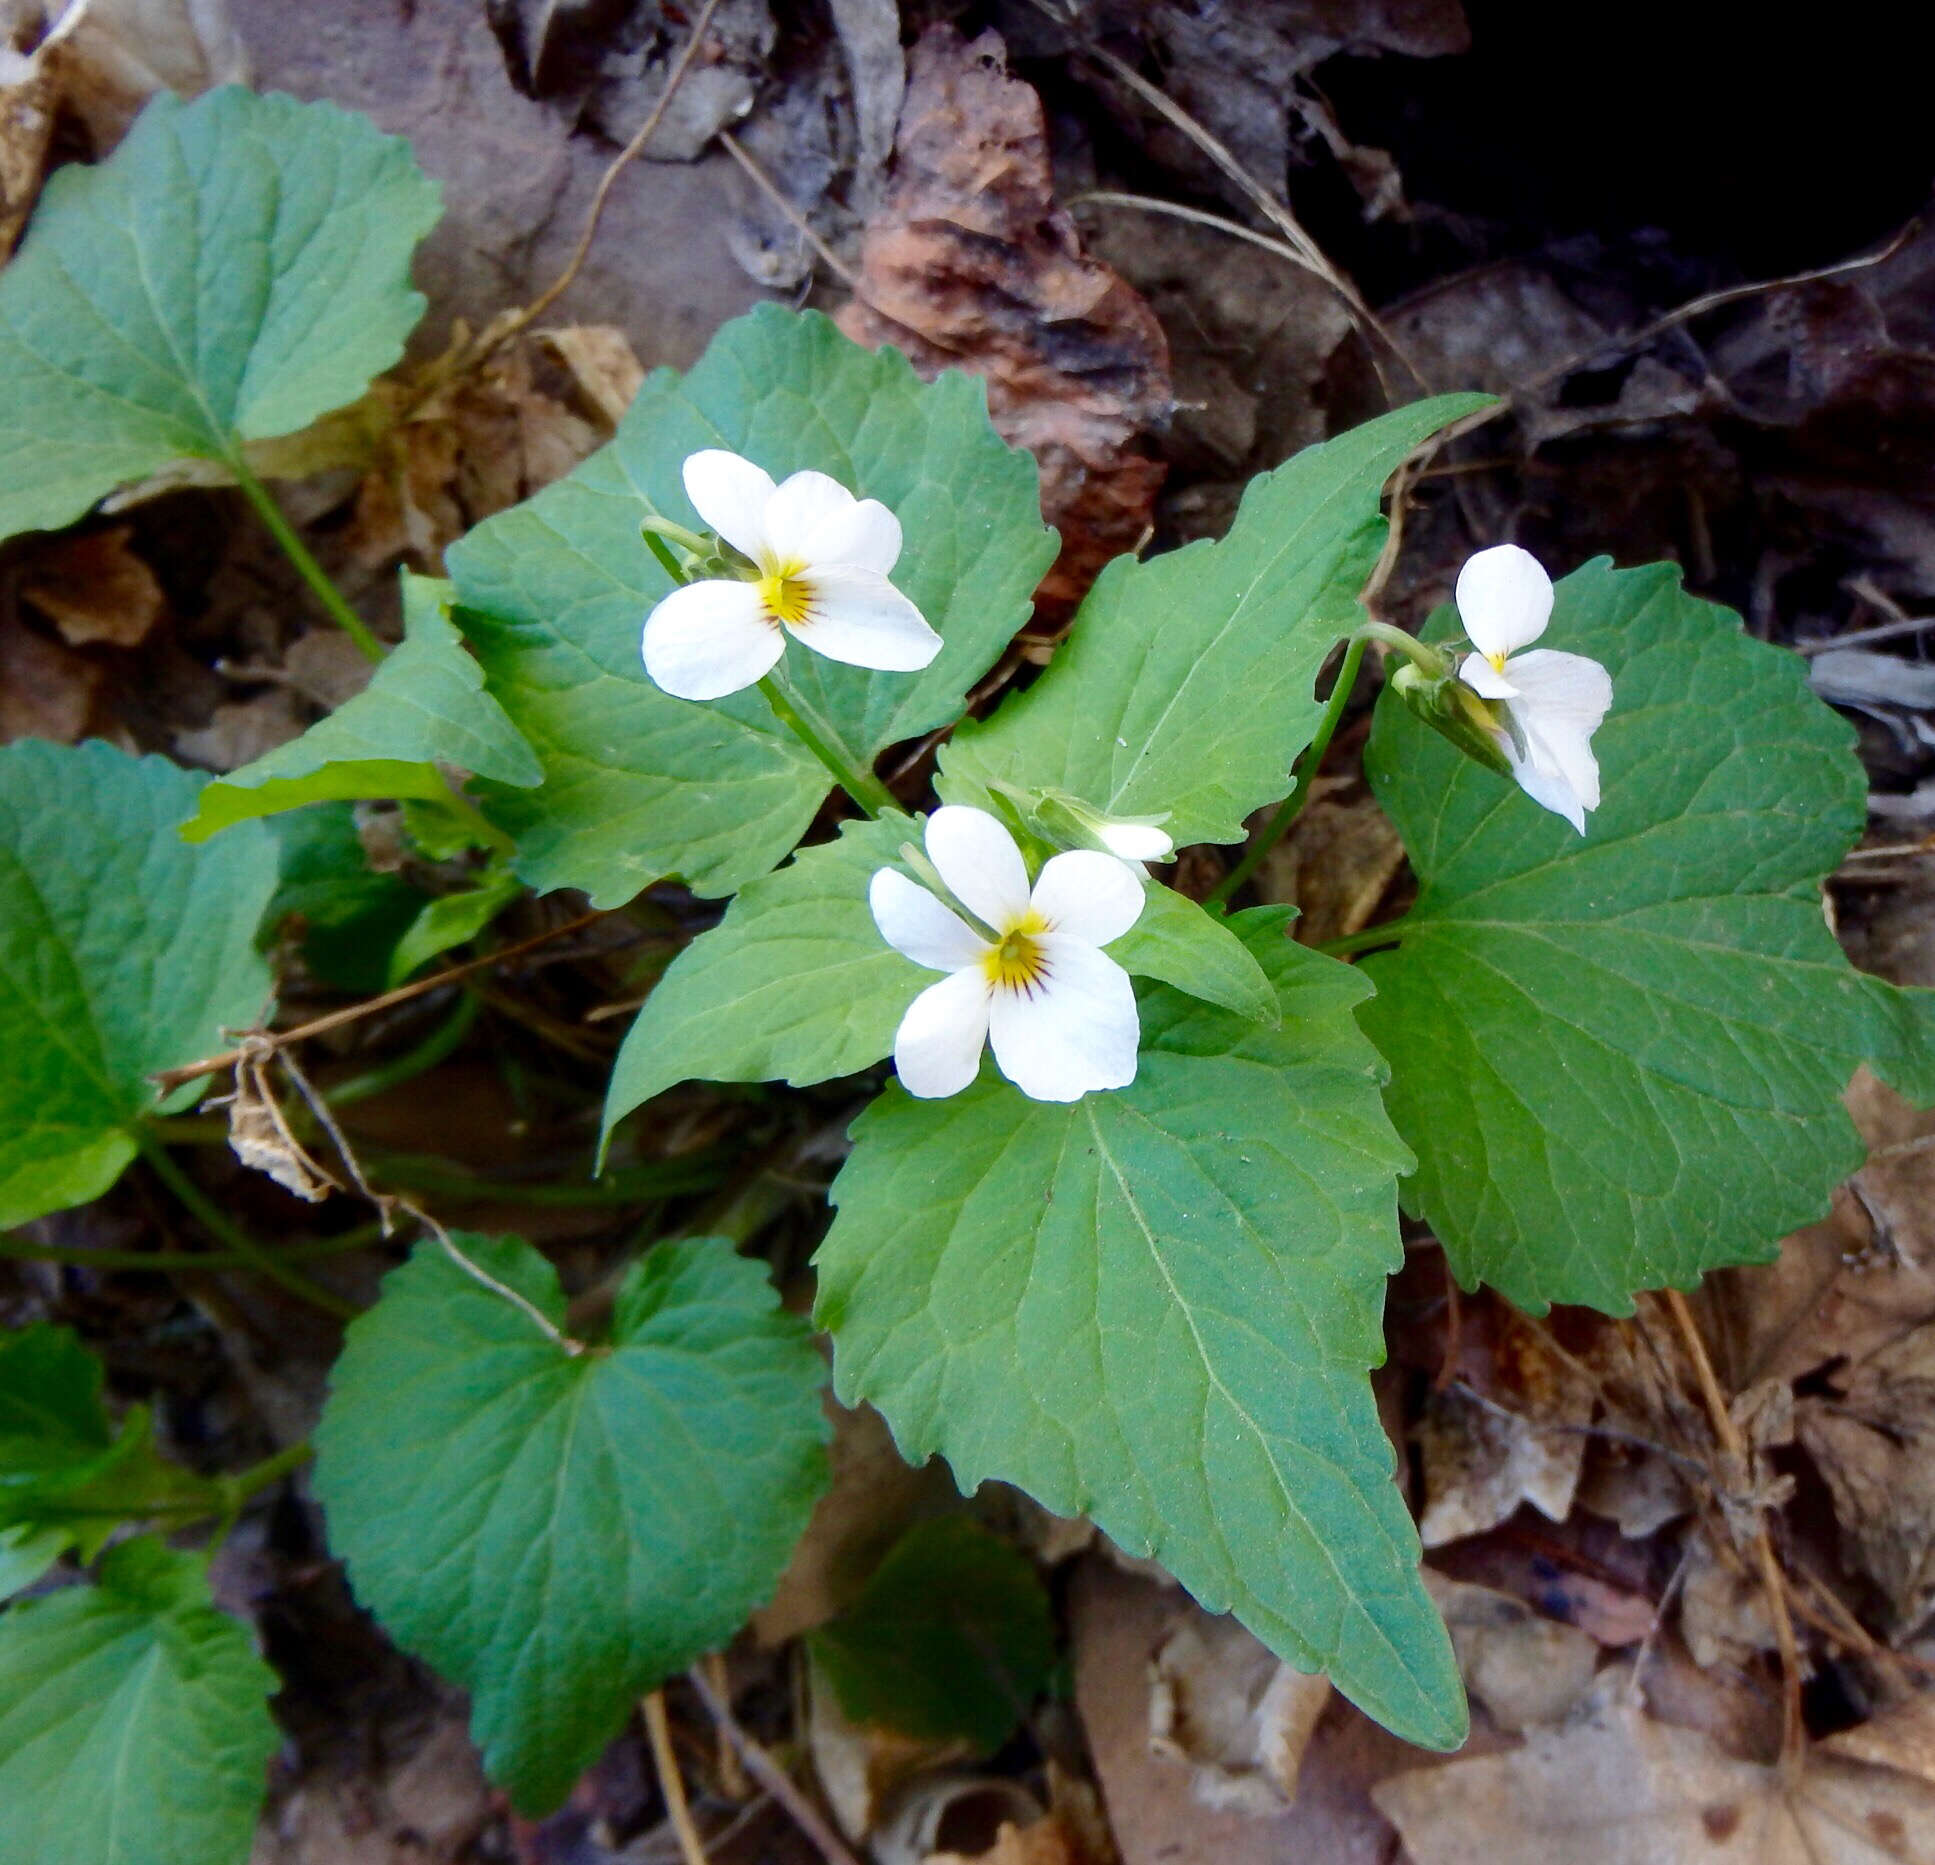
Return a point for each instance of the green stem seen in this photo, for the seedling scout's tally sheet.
(297, 552)
(1291, 807)
(1387, 932)
(662, 551)
(441, 1042)
(225, 1230)
(824, 742)
(245, 1484)
(162, 1262)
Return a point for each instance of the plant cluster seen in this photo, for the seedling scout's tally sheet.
(1117, 1231)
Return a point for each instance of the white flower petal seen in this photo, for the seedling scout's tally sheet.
(920, 927)
(1548, 788)
(865, 535)
(710, 639)
(730, 496)
(800, 507)
(937, 1049)
(1504, 599)
(859, 617)
(979, 861)
(1088, 895)
(1479, 674)
(1136, 841)
(1562, 700)
(1075, 1032)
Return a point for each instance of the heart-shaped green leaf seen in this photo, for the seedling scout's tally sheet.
(122, 952)
(237, 267)
(639, 784)
(1157, 1307)
(1623, 1054)
(134, 1720)
(951, 1638)
(559, 1531)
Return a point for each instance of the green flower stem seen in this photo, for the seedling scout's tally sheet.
(245, 1484)
(297, 552)
(226, 1231)
(1387, 932)
(162, 1262)
(1307, 767)
(824, 742)
(659, 549)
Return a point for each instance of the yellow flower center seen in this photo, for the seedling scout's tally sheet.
(1018, 962)
(1498, 662)
(785, 594)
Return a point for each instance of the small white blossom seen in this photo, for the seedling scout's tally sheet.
(1059, 1012)
(1136, 841)
(1555, 700)
(819, 558)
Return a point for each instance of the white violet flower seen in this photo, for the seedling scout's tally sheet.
(820, 559)
(1058, 1011)
(1555, 701)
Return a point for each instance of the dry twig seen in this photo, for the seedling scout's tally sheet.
(770, 189)
(171, 1078)
(1793, 1730)
(769, 1774)
(671, 1782)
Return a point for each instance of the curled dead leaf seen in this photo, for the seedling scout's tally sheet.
(970, 264)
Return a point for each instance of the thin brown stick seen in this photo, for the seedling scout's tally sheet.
(671, 1782)
(1713, 301)
(214, 1065)
(766, 185)
(1277, 212)
(1793, 1730)
(575, 264)
(1200, 217)
(769, 1774)
(732, 1777)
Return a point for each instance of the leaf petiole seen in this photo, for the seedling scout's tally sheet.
(297, 552)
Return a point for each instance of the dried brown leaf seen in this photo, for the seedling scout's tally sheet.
(1509, 1431)
(1616, 1788)
(1240, 1717)
(94, 588)
(116, 54)
(970, 264)
(46, 689)
(1874, 1442)
(1523, 1667)
(600, 361)
(28, 96)
(1902, 1737)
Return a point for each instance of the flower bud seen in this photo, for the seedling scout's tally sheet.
(1478, 727)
